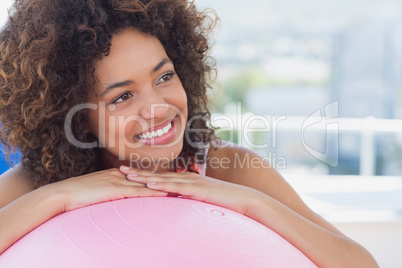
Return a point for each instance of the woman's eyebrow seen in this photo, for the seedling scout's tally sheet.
(130, 82)
(116, 85)
(161, 64)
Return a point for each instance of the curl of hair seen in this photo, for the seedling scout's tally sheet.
(47, 51)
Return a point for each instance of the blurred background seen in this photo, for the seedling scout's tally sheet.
(326, 76)
(293, 58)
(319, 84)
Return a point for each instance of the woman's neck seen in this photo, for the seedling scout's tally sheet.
(107, 162)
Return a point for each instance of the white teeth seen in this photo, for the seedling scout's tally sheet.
(158, 133)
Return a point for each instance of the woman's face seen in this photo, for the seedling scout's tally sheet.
(141, 105)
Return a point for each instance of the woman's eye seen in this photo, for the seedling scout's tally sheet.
(122, 98)
(166, 77)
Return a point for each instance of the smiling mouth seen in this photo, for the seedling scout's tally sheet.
(156, 132)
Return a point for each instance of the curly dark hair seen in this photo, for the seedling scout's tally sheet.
(48, 49)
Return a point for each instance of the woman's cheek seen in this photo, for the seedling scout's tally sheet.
(181, 100)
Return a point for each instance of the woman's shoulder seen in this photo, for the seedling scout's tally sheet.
(229, 160)
(14, 183)
(231, 163)
(228, 154)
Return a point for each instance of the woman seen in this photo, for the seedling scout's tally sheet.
(107, 100)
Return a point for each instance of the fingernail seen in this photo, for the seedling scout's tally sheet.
(131, 175)
(125, 168)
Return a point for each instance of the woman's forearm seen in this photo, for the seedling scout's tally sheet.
(26, 213)
(323, 247)
(34, 208)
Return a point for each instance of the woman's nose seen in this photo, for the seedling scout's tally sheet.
(153, 105)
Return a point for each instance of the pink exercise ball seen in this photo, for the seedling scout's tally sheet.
(152, 232)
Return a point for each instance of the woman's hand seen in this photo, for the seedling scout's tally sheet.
(99, 187)
(195, 186)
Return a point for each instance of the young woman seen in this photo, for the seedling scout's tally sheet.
(106, 99)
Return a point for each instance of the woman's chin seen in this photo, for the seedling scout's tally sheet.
(154, 158)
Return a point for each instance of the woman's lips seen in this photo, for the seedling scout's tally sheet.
(158, 135)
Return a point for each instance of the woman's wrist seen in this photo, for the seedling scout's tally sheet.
(257, 203)
(54, 196)
(35, 208)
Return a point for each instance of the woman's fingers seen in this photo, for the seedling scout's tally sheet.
(186, 184)
(146, 178)
(196, 187)
(171, 187)
(128, 182)
(102, 186)
(133, 171)
(144, 191)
